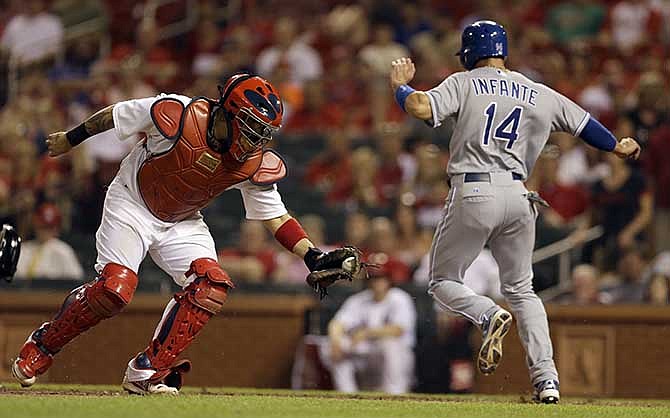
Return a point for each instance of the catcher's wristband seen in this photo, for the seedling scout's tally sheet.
(289, 234)
(77, 135)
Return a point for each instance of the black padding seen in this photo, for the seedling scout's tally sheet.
(10, 249)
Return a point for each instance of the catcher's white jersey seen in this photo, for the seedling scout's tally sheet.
(129, 231)
(132, 118)
(503, 119)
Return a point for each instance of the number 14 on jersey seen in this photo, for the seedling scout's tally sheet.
(507, 130)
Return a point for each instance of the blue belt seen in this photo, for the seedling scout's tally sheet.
(485, 177)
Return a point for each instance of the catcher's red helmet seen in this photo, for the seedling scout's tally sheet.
(254, 111)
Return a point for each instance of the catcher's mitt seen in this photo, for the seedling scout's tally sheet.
(327, 268)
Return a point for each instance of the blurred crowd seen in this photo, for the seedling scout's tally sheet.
(368, 175)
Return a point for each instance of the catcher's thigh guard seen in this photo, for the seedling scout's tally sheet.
(87, 305)
(185, 316)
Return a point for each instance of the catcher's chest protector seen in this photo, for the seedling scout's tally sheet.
(184, 179)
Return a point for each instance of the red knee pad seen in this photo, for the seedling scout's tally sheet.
(210, 288)
(207, 295)
(87, 305)
(113, 291)
(210, 268)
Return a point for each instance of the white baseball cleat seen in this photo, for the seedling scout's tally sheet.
(144, 387)
(547, 391)
(24, 380)
(494, 330)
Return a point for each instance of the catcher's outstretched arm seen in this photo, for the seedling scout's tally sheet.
(61, 142)
(325, 268)
(288, 232)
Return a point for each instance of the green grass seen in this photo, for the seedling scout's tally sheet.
(103, 401)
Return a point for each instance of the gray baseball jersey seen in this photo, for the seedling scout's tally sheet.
(503, 119)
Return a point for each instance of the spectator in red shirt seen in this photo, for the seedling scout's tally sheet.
(567, 202)
(316, 114)
(252, 260)
(383, 249)
(658, 170)
(324, 169)
(427, 187)
(360, 186)
(396, 166)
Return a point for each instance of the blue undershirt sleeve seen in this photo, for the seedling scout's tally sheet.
(596, 135)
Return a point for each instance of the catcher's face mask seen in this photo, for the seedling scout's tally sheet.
(254, 112)
(254, 133)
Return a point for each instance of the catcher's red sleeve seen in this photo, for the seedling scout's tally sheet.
(290, 233)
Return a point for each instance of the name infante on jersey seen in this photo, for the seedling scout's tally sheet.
(505, 88)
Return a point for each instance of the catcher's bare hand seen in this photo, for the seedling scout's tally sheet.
(627, 148)
(58, 144)
(402, 72)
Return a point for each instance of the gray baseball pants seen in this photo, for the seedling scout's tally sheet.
(497, 214)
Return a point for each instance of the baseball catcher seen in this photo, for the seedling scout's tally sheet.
(190, 151)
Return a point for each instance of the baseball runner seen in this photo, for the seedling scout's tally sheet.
(502, 122)
(192, 150)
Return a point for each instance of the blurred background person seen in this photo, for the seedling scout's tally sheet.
(658, 170)
(658, 286)
(33, 36)
(628, 282)
(383, 249)
(413, 241)
(624, 206)
(357, 230)
(253, 259)
(292, 50)
(585, 282)
(290, 269)
(372, 339)
(46, 256)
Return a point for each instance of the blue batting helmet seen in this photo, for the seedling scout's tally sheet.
(482, 39)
